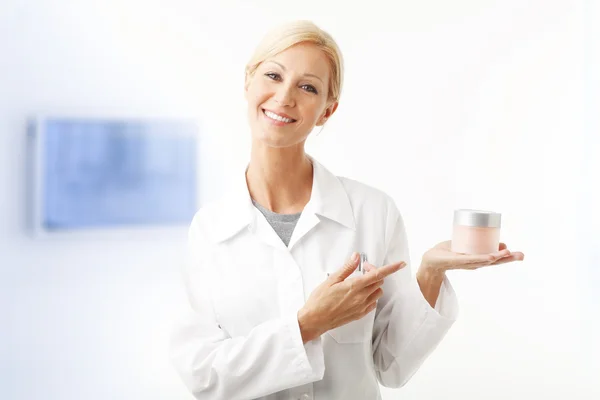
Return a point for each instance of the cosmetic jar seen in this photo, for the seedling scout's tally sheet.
(475, 232)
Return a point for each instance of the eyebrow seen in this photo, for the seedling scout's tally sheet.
(283, 68)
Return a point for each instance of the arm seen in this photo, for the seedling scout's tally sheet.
(214, 365)
(430, 282)
(407, 329)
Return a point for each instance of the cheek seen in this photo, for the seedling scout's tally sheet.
(252, 95)
(259, 92)
(313, 112)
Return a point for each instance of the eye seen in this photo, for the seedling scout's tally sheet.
(272, 75)
(310, 88)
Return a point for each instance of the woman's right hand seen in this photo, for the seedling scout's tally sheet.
(339, 300)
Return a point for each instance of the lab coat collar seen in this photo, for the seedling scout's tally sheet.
(329, 199)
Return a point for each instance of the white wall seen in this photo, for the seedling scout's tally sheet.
(445, 105)
(589, 213)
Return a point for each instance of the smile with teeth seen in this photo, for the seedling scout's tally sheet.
(276, 117)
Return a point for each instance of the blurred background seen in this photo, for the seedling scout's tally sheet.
(462, 104)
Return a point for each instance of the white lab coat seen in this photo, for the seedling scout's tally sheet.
(245, 287)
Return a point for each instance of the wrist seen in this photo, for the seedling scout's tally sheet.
(431, 271)
(432, 268)
(308, 325)
(430, 281)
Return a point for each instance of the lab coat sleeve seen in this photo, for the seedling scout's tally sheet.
(406, 328)
(213, 365)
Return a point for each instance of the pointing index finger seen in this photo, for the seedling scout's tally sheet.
(377, 274)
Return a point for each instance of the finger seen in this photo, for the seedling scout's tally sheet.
(370, 308)
(380, 273)
(347, 269)
(374, 296)
(373, 286)
(501, 254)
(368, 267)
(502, 246)
(465, 259)
(516, 256)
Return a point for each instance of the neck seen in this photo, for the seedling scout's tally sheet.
(280, 179)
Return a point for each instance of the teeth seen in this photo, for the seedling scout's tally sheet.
(277, 117)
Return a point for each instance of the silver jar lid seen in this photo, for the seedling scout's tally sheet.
(479, 218)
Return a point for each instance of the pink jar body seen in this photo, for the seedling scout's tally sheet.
(475, 239)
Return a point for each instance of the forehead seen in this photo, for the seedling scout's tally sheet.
(304, 58)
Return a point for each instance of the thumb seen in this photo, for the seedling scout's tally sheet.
(347, 269)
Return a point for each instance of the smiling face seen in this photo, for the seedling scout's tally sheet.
(288, 96)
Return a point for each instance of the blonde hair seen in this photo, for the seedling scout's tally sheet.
(292, 33)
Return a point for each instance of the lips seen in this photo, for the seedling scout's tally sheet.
(279, 117)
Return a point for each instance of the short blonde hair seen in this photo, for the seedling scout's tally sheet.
(292, 33)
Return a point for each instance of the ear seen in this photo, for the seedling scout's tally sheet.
(327, 113)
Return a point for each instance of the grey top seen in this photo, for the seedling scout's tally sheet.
(283, 224)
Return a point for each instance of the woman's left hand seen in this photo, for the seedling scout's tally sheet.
(441, 258)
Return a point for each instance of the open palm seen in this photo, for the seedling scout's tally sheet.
(441, 257)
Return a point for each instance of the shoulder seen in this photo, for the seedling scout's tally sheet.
(364, 195)
(374, 209)
(222, 218)
(205, 217)
(201, 219)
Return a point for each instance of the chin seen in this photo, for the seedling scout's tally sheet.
(274, 140)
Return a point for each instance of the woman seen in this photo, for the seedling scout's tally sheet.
(279, 308)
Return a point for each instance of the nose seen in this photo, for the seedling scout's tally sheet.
(284, 96)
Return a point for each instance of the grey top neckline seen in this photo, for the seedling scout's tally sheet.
(280, 217)
(282, 224)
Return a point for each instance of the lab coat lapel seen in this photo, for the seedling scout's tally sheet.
(328, 199)
(308, 220)
(264, 231)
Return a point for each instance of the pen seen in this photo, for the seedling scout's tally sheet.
(363, 259)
